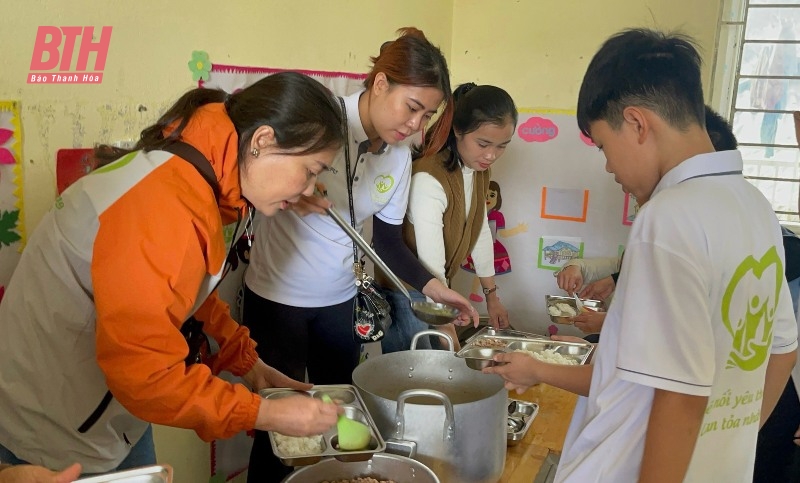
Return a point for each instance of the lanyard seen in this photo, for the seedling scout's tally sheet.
(349, 179)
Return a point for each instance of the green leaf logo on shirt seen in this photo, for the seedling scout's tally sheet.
(384, 183)
(752, 330)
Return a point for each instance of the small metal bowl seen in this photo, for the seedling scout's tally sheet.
(479, 357)
(515, 424)
(434, 313)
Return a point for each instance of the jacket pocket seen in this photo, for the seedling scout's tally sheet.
(97, 413)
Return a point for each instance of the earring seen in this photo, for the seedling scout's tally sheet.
(254, 152)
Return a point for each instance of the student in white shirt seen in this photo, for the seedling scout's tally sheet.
(600, 274)
(700, 339)
(446, 218)
(300, 286)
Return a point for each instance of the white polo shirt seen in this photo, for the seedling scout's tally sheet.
(701, 303)
(307, 261)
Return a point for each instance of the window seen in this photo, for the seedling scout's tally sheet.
(756, 85)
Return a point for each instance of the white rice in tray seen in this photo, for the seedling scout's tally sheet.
(561, 309)
(551, 356)
(298, 445)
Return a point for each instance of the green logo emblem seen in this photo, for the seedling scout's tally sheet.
(752, 331)
(384, 183)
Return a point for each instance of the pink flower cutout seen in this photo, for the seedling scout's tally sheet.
(6, 156)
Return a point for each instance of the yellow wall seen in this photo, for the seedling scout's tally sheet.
(152, 42)
(537, 50)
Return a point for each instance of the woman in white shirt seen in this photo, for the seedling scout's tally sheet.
(300, 285)
(446, 218)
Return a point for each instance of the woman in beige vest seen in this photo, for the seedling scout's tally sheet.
(446, 218)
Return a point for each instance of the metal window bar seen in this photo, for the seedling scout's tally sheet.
(740, 44)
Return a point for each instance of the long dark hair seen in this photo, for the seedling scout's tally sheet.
(475, 106)
(300, 110)
(413, 61)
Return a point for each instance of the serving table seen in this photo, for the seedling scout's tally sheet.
(545, 435)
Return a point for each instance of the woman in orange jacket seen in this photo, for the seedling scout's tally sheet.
(133, 250)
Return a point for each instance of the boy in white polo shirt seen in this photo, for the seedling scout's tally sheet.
(701, 337)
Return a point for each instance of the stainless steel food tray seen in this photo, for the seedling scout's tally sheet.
(492, 332)
(477, 357)
(354, 408)
(596, 305)
(146, 474)
(520, 417)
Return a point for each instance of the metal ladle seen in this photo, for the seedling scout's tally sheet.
(429, 312)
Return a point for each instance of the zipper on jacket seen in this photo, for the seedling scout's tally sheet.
(99, 410)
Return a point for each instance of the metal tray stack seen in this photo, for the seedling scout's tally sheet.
(520, 416)
(478, 351)
(354, 408)
(145, 474)
(596, 305)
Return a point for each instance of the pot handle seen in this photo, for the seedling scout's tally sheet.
(451, 346)
(449, 420)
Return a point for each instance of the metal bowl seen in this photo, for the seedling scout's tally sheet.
(479, 357)
(519, 411)
(589, 304)
(381, 466)
(434, 313)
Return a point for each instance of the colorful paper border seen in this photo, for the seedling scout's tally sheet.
(16, 150)
(581, 219)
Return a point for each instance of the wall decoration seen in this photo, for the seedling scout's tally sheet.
(565, 204)
(537, 130)
(629, 210)
(231, 78)
(12, 232)
(554, 252)
(586, 140)
(566, 162)
(200, 66)
(72, 164)
(497, 225)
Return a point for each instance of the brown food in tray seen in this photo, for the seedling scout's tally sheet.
(490, 342)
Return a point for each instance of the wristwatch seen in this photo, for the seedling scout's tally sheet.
(487, 291)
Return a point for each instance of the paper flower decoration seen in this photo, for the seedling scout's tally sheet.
(6, 156)
(200, 65)
(8, 225)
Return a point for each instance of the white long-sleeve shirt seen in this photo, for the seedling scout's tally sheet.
(426, 206)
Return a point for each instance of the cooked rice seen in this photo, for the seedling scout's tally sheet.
(550, 356)
(566, 310)
(298, 445)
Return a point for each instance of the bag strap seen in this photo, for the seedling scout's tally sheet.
(349, 179)
(196, 159)
(193, 330)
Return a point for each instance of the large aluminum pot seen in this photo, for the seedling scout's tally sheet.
(381, 466)
(430, 406)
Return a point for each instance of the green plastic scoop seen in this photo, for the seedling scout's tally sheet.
(353, 435)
